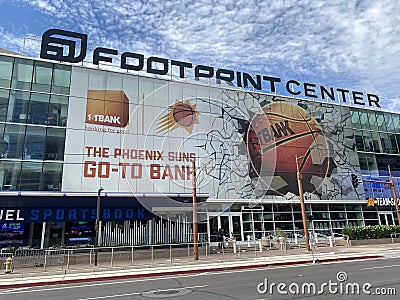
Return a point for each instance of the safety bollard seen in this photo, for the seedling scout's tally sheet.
(330, 242)
(7, 265)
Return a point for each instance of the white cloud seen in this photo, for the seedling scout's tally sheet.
(348, 44)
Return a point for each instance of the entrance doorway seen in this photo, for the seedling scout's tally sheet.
(386, 218)
(230, 222)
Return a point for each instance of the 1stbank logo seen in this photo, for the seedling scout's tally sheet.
(109, 108)
(53, 47)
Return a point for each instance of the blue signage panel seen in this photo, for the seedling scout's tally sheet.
(13, 226)
(85, 214)
(70, 209)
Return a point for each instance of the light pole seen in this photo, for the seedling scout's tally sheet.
(195, 231)
(303, 209)
(96, 226)
(396, 204)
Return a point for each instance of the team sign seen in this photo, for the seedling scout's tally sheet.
(54, 41)
(164, 165)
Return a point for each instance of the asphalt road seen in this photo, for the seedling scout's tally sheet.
(344, 280)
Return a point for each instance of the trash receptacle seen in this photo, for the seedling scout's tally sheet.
(231, 241)
(265, 241)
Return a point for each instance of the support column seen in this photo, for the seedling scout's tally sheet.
(42, 240)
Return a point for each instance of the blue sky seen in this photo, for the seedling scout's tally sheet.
(344, 44)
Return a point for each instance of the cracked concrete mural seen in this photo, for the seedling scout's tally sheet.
(247, 146)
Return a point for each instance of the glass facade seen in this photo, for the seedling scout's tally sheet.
(377, 136)
(34, 99)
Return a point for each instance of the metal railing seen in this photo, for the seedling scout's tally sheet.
(395, 239)
(149, 255)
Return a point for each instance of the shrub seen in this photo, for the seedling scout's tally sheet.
(280, 233)
(370, 232)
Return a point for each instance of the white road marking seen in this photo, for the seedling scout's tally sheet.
(206, 273)
(110, 296)
(380, 267)
(138, 293)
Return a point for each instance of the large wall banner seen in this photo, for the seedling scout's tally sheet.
(136, 134)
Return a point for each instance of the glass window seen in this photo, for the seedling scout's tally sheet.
(14, 137)
(398, 141)
(283, 216)
(319, 207)
(4, 95)
(320, 215)
(282, 207)
(31, 176)
(58, 111)
(35, 142)
(336, 207)
(359, 141)
(2, 153)
(338, 215)
(284, 225)
(376, 142)
(18, 107)
(372, 121)
(354, 215)
(396, 123)
(386, 143)
(61, 79)
(372, 165)
(38, 108)
(384, 160)
(10, 173)
(368, 143)
(362, 157)
(393, 142)
(42, 73)
(380, 120)
(355, 119)
(22, 74)
(52, 176)
(55, 141)
(364, 120)
(353, 207)
(389, 122)
(6, 66)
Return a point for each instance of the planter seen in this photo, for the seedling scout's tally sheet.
(373, 241)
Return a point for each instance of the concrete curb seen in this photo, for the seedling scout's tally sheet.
(180, 272)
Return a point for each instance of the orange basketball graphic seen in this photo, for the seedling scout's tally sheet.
(184, 114)
(277, 137)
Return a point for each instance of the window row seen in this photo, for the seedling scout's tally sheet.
(377, 164)
(370, 141)
(25, 74)
(33, 108)
(30, 176)
(31, 142)
(375, 120)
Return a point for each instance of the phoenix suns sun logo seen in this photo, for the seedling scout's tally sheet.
(180, 115)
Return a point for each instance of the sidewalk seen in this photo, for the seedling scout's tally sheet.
(27, 277)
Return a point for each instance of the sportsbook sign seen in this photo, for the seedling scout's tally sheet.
(55, 41)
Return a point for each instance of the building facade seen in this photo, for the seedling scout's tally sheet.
(67, 130)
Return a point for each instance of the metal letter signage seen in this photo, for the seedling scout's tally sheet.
(53, 47)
